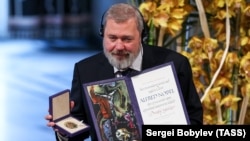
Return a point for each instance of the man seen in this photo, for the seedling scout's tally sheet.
(123, 30)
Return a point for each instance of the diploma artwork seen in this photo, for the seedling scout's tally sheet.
(111, 108)
(119, 106)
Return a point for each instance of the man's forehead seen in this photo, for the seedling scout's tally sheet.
(121, 27)
(118, 21)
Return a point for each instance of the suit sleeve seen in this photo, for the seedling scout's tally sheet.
(78, 110)
(76, 96)
(190, 95)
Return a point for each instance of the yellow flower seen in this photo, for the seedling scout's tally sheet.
(213, 64)
(245, 90)
(147, 9)
(200, 88)
(244, 41)
(246, 11)
(168, 15)
(245, 67)
(207, 119)
(161, 19)
(218, 55)
(178, 13)
(198, 59)
(174, 25)
(195, 44)
(214, 93)
(198, 72)
(185, 53)
(223, 82)
(209, 101)
(165, 7)
(230, 101)
(231, 60)
(221, 14)
(209, 45)
(220, 3)
(173, 3)
(245, 44)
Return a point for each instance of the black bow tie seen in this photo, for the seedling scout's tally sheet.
(127, 72)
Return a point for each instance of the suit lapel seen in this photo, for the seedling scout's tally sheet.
(148, 59)
(106, 71)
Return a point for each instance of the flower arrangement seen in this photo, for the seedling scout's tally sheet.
(164, 17)
(220, 56)
(221, 61)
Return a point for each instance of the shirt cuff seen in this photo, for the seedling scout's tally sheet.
(61, 137)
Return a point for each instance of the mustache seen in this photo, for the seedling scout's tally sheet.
(120, 52)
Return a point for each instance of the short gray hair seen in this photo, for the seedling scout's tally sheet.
(121, 12)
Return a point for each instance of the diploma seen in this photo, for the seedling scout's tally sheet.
(118, 107)
(159, 97)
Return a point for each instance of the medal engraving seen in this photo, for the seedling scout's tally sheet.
(70, 125)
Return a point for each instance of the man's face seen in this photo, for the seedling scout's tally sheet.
(122, 42)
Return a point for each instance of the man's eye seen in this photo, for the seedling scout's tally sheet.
(127, 39)
(112, 38)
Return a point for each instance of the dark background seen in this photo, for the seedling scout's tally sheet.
(40, 40)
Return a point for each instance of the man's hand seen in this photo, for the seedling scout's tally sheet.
(49, 118)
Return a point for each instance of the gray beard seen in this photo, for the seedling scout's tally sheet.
(120, 64)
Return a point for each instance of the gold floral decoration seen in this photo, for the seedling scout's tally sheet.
(164, 17)
(232, 80)
(220, 57)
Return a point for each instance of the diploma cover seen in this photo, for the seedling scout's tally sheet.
(119, 106)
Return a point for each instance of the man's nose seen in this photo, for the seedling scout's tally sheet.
(119, 45)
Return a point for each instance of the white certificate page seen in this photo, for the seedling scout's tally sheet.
(159, 97)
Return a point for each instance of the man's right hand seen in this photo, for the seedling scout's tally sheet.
(50, 122)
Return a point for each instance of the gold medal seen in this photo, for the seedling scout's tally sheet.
(70, 125)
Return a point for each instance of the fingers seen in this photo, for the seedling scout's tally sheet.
(48, 117)
(50, 124)
(72, 104)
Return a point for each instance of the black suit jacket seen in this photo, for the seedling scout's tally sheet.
(97, 68)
